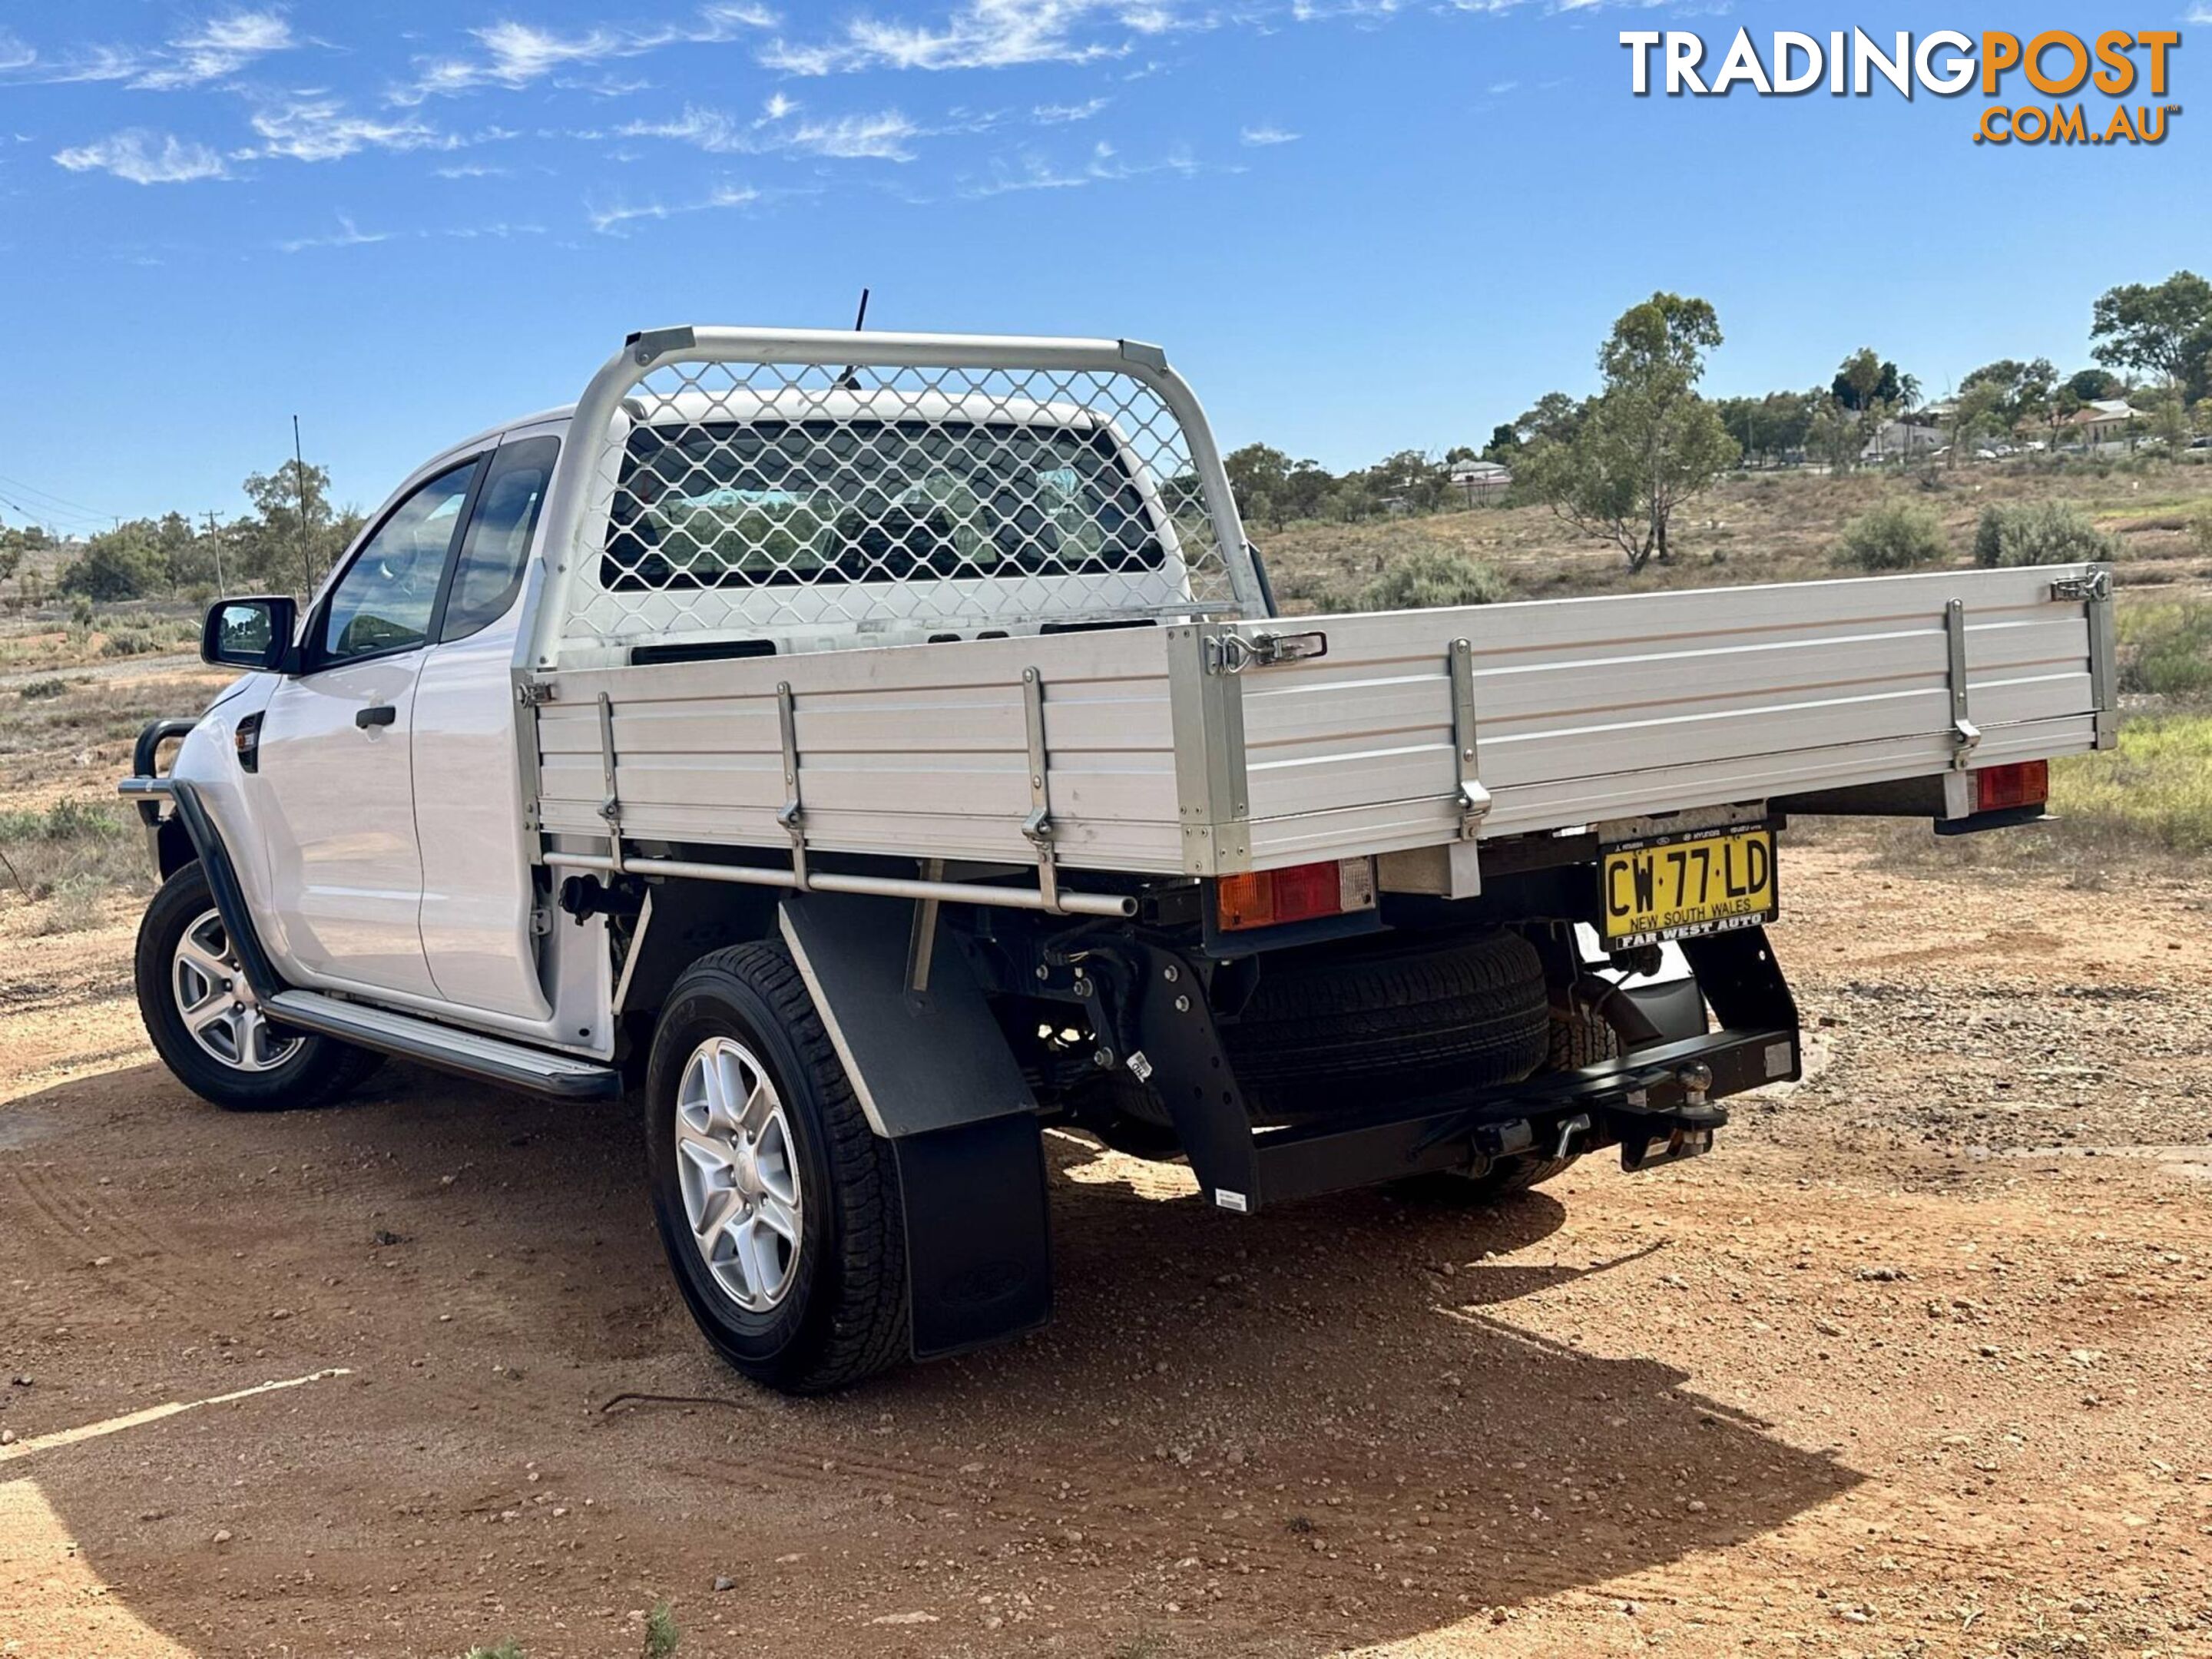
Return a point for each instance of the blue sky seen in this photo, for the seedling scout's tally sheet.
(1357, 225)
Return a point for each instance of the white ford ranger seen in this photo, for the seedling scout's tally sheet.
(876, 748)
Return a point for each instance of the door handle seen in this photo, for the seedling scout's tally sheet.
(382, 714)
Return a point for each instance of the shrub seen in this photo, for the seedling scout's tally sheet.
(33, 690)
(67, 819)
(2038, 532)
(67, 859)
(2166, 650)
(1429, 577)
(2200, 532)
(1895, 536)
(129, 642)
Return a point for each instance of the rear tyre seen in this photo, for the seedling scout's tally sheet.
(1577, 1039)
(778, 1206)
(206, 1023)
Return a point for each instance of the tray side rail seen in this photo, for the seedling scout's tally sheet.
(1568, 713)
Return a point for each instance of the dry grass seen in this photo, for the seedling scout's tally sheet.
(1761, 527)
(59, 635)
(2166, 647)
(2141, 810)
(2146, 804)
(67, 861)
(72, 850)
(2155, 789)
(35, 718)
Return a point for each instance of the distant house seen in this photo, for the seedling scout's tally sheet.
(1480, 480)
(1901, 440)
(2103, 421)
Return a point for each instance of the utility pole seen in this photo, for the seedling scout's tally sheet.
(300, 479)
(221, 589)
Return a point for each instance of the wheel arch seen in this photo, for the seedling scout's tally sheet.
(173, 848)
(683, 922)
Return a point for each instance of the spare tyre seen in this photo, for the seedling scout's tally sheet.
(1348, 1026)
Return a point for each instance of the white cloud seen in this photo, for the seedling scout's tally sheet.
(348, 234)
(1259, 137)
(1051, 115)
(209, 51)
(1104, 167)
(610, 221)
(882, 136)
(323, 130)
(520, 53)
(709, 129)
(469, 170)
(87, 63)
(145, 158)
(515, 54)
(886, 136)
(986, 34)
(220, 46)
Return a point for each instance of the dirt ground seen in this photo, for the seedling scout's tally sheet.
(1920, 1363)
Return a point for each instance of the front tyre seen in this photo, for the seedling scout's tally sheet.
(777, 1204)
(208, 1026)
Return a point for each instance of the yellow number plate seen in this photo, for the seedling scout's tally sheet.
(1673, 886)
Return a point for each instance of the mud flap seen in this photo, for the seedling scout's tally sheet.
(978, 1240)
(936, 1077)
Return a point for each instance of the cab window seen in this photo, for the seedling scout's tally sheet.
(384, 601)
(488, 573)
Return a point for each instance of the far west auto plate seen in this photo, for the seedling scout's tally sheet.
(1700, 881)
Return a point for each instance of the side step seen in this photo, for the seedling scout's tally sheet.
(488, 1058)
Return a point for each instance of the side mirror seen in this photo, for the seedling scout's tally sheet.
(254, 634)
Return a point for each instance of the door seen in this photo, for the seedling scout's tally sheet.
(478, 890)
(336, 760)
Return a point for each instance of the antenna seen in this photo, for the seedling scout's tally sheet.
(850, 380)
(300, 479)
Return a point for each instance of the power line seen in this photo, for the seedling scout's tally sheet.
(48, 495)
(64, 519)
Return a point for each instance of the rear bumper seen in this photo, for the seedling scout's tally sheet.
(1642, 1102)
(1658, 1102)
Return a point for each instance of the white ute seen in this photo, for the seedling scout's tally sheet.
(877, 748)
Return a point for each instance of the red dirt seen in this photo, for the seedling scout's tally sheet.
(1879, 1377)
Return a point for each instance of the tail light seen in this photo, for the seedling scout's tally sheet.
(2004, 788)
(1267, 898)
